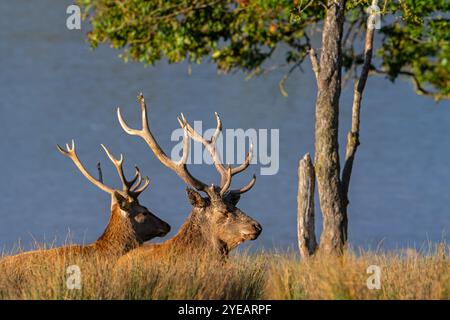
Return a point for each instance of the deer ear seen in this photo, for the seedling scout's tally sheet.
(195, 198)
(233, 198)
(120, 199)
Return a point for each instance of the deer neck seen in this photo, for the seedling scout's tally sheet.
(194, 235)
(119, 236)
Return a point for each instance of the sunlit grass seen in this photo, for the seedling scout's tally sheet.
(405, 274)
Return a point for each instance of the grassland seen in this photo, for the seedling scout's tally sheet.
(406, 274)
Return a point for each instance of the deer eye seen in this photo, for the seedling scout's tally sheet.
(140, 217)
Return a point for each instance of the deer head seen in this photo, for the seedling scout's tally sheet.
(216, 211)
(144, 224)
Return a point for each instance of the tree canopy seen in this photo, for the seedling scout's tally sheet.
(243, 34)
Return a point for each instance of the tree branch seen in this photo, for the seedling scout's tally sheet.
(288, 74)
(353, 135)
(313, 56)
(314, 62)
(418, 88)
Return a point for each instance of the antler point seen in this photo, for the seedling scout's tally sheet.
(60, 149)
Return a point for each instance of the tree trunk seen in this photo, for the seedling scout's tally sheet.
(327, 165)
(305, 207)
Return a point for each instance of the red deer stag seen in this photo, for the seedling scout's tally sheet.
(215, 225)
(130, 223)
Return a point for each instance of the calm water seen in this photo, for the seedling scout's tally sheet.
(54, 88)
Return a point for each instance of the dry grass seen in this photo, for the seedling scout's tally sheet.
(404, 275)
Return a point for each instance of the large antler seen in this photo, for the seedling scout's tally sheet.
(180, 166)
(226, 173)
(132, 187)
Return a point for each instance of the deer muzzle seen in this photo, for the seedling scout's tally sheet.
(252, 232)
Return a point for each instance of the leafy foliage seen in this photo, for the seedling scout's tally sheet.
(243, 34)
(419, 45)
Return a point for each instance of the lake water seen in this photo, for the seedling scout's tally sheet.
(53, 88)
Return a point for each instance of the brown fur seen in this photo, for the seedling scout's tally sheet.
(117, 239)
(190, 239)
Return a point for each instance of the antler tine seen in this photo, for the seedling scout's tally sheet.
(210, 145)
(137, 191)
(218, 128)
(135, 132)
(245, 164)
(227, 183)
(118, 163)
(137, 186)
(186, 148)
(137, 175)
(178, 167)
(245, 188)
(72, 154)
(241, 168)
(137, 179)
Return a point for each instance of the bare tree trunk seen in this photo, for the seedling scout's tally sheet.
(305, 207)
(327, 165)
(353, 135)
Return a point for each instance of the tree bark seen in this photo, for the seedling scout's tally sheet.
(305, 207)
(327, 165)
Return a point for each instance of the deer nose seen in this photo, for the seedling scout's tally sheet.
(166, 228)
(163, 229)
(258, 228)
